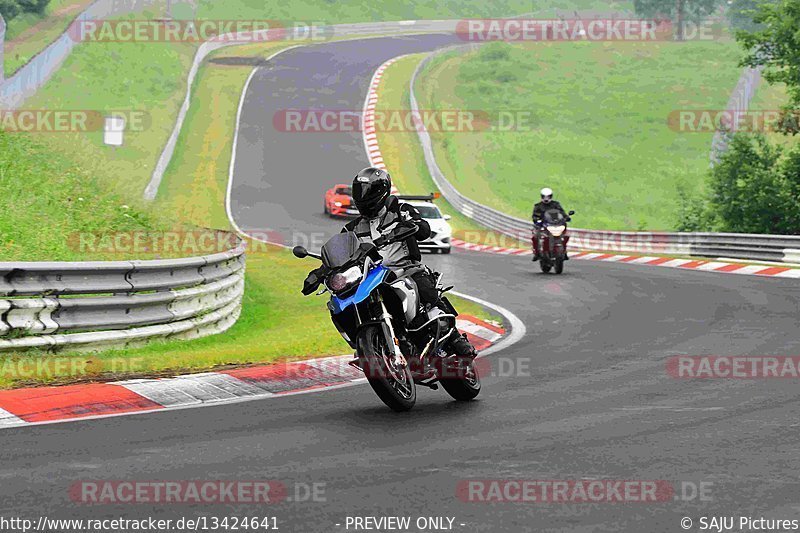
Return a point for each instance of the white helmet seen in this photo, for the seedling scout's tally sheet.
(547, 195)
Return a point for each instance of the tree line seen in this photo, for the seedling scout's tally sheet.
(12, 8)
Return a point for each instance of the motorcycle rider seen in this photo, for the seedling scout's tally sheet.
(380, 213)
(546, 204)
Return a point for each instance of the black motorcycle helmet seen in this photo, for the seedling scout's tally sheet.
(371, 188)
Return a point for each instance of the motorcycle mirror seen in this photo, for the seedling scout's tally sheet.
(571, 213)
(300, 252)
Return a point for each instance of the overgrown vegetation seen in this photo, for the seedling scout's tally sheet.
(756, 185)
(754, 188)
(775, 45)
(11, 8)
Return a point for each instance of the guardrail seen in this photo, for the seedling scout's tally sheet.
(781, 248)
(738, 104)
(55, 305)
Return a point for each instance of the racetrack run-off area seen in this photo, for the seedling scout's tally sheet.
(586, 393)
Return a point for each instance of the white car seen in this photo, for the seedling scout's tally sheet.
(441, 232)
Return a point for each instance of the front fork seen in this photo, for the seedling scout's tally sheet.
(391, 338)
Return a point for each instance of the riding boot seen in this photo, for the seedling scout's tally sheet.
(461, 347)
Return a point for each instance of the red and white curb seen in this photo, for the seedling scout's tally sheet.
(689, 264)
(42, 405)
(370, 133)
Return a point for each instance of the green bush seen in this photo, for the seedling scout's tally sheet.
(753, 189)
(11, 8)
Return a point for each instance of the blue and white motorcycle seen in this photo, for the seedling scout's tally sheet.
(398, 343)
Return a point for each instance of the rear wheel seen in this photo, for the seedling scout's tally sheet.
(559, 266)
(545, 265)
(391, 381)
(461, 381)
(325, 208)
(446, 250)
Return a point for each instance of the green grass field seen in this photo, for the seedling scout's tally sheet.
(403, 155)
(599, 114)
(47, 201)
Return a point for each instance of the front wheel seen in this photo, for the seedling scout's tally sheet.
(391, 382)
(559, 266)
(545, 265)
(462, 381)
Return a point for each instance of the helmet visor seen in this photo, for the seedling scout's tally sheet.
(369, 196)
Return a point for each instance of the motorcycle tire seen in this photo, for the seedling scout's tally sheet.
(545, 265)
(394, 385)
(465, 384)
(559, 266)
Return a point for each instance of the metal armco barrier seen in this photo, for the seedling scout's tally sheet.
(50, 305)
(781, 248)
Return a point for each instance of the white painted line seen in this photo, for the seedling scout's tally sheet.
(516, 325)
(232, 165)
(9, 420)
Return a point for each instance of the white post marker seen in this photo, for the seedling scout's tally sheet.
(114, 130)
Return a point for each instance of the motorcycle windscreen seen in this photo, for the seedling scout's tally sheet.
(370, 283)
(340, 249)
(554, 217)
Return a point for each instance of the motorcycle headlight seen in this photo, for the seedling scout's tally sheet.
(337, 204)
(344, 280)
(556, 231)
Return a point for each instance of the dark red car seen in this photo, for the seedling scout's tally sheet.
(339, 201)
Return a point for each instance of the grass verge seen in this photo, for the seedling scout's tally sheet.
(599, 115)
(403, 155)
(29, 33)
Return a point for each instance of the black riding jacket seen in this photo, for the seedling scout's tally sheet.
(541, 207)
(398, 255)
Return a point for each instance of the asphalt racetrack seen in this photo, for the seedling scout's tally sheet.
(584, 395)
